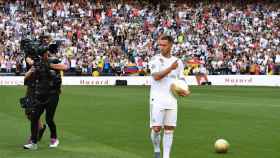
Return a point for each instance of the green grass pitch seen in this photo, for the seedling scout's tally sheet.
(113, 122)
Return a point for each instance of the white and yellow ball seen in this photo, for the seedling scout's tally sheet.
(178, 86)
(221, 146)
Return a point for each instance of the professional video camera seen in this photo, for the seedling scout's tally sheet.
(35, 48)
(32, 48)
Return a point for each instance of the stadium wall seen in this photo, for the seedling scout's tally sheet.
(226, 80)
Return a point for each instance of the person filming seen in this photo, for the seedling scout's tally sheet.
(45, 80)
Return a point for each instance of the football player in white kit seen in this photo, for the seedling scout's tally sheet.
(165, 68)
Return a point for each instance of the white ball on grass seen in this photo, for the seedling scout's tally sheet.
(221, 146)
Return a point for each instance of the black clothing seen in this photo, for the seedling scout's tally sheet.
(45, 88)
(50, 108)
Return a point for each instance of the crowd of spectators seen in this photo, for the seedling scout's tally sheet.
(109, 37)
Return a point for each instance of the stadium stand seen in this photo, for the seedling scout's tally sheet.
(107, 37)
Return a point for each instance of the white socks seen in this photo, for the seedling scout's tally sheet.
(155, 137)
(167, 143)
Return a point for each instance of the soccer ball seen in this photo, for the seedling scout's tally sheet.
(178, 86)
(221, 146)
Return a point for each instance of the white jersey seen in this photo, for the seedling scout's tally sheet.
(160, 93)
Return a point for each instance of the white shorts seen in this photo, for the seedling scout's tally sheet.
(163, 117)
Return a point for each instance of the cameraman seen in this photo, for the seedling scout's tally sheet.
(49, 83)
(29, 91)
